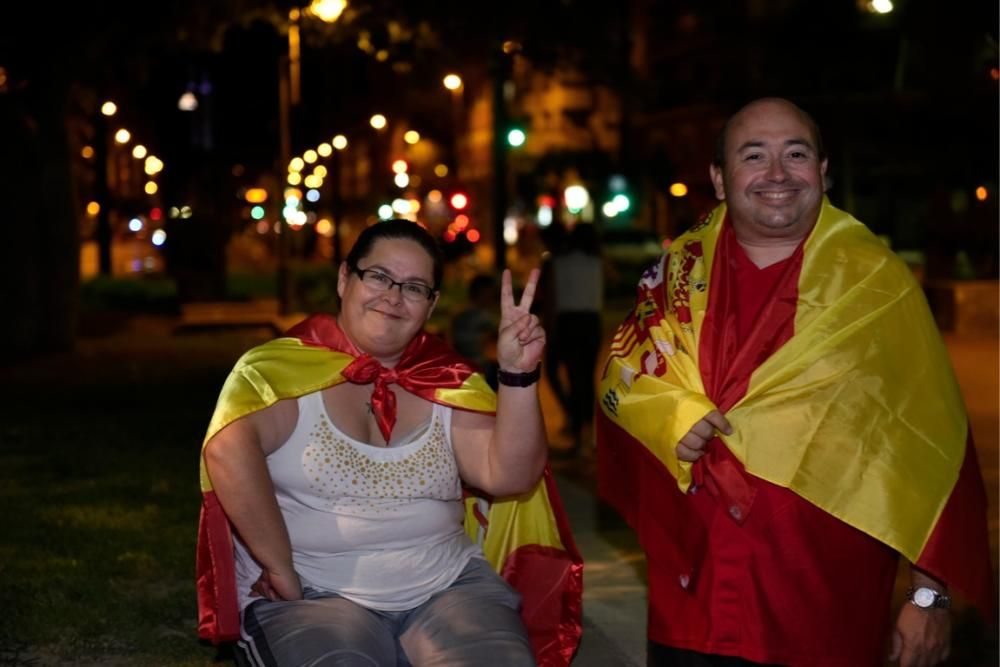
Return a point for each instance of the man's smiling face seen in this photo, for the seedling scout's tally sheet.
(773, 176)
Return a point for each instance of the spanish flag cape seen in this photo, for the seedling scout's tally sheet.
(858, 412)
(526, 538)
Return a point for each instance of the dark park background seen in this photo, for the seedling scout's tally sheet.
(134, 270)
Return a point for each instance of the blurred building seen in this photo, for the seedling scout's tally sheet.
(905, 94)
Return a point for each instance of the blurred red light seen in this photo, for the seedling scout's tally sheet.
(156, 213)
(472, 235)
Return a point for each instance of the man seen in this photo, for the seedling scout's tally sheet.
(780, 421)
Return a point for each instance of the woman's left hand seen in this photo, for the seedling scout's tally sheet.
(521, 339)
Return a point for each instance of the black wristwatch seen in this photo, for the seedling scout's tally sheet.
(519, 379)
(928, 598)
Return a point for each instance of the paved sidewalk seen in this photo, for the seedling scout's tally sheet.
(614, 588)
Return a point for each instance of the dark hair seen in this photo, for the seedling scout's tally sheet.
(397, 229)
(719, 159)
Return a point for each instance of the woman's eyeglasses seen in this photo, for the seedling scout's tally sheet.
(382, 283)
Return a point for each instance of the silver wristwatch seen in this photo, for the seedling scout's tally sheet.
(928, 598)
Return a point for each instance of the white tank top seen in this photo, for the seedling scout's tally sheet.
(381, 526)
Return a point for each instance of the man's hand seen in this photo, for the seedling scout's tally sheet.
(277, 586)
(692, 445)
(521, 338)
(922, 637)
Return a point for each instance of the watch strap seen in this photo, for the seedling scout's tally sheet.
(519, 379)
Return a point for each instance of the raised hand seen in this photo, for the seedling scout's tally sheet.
(521, 338)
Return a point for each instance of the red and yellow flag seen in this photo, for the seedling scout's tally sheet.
(858, 412)
(526, 538)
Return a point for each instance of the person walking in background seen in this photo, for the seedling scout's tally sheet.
(554, 237)
(780, 421)
(474, 328)
(579, 296)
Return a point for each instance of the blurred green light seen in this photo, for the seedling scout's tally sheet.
(516, 137)
(257, 212)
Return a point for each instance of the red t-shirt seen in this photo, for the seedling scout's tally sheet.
(788, 583)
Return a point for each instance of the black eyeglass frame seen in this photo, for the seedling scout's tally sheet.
(431, 291)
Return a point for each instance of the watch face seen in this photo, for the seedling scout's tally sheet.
(923, 597)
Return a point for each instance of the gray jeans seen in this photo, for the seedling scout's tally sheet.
(475, 621)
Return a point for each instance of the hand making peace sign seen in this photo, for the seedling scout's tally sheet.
(521, 338)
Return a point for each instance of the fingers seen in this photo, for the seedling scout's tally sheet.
(262, 588)
(528, 328)
(717, 422)
(692, 446)
(507, 303)
(685, 453)
(897, 646)
(506, 292)
(528, 295)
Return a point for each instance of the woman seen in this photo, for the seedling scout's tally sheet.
(346, 495)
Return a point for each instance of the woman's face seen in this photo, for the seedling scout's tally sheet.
(383, 322)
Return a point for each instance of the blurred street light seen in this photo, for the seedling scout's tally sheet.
(122, 136)
(289, 97)
(452, 82)
(187, 101)
(878, 6)
(576, 198)
(327, 10)
(378, 121)
(109, 109)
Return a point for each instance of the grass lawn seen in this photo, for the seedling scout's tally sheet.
(99, 496)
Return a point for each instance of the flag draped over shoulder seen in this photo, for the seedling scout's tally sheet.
(526, 538)
(858, 413)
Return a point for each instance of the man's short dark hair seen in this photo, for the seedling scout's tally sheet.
(719, 159)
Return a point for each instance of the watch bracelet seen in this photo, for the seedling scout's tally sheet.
(941, 600)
